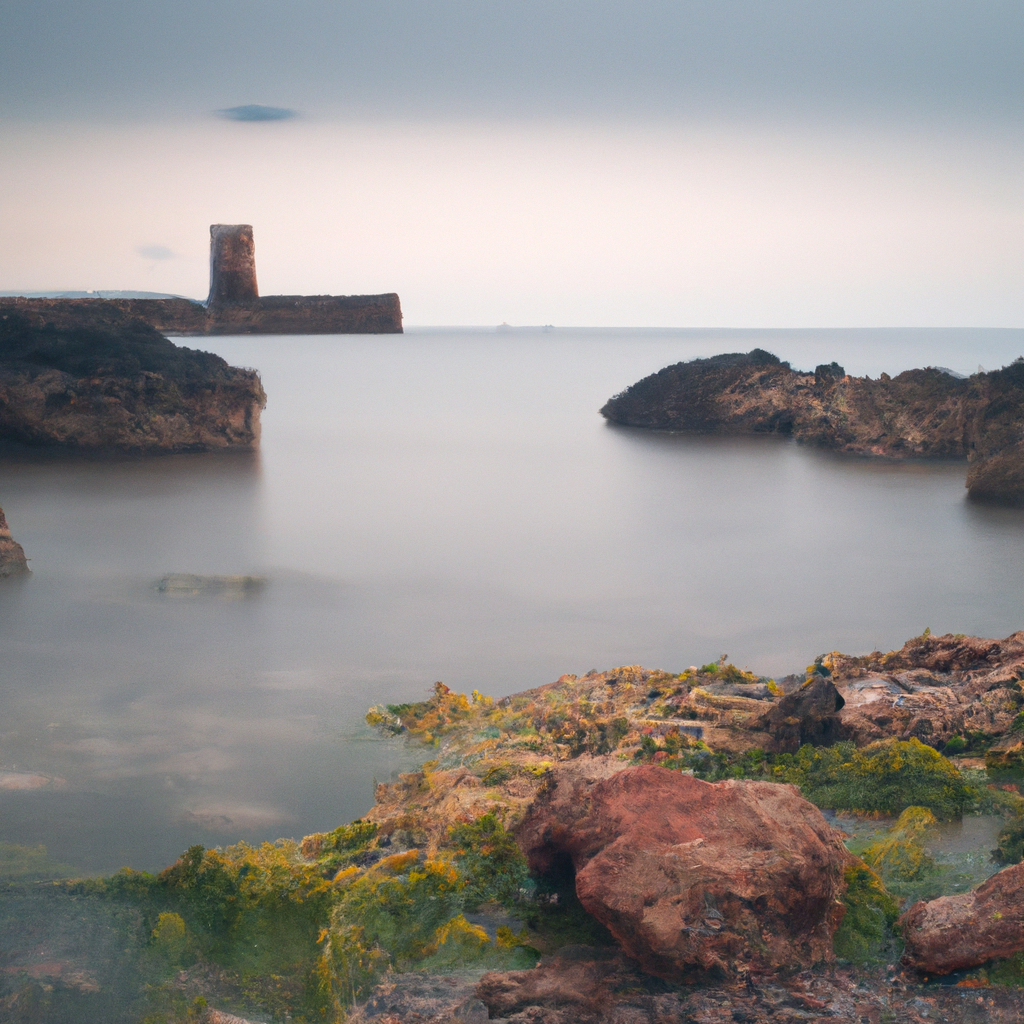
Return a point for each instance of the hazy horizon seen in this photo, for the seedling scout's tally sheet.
(790, 164)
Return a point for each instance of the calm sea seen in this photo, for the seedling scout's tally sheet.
(441, 505)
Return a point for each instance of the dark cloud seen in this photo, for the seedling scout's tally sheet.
(912, 58)
(257, 112)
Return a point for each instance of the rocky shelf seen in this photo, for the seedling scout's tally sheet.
(110, 381)
(926, 413)
(626, 847)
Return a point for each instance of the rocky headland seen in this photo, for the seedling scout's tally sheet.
(634, 846)
(926, 413)
(12, 555)
(110, 381)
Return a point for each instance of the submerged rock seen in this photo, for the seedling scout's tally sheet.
(923, 413)
(691, 876)
(954, 932)
(12, 556)
(187, 584)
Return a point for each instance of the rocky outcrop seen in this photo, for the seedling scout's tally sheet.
(12, 555)
(919, 414)
(691, 876)
(954, 932)
(808, 715)
(586, 985)
(119, 384)
(934, 688)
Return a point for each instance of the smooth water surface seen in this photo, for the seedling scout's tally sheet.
(441, 505)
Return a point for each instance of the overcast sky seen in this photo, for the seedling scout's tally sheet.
(725, 162)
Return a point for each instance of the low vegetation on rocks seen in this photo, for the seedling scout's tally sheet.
(438, 875)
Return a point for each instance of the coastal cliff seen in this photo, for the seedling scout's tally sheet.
(12, 555)
(924, 413)
(115, 382)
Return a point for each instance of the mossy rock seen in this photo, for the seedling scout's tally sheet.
(866, 933)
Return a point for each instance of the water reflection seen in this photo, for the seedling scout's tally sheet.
(445, 506)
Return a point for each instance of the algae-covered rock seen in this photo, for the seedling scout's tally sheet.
(187, 584)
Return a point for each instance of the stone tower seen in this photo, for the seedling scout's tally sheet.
(232, 264)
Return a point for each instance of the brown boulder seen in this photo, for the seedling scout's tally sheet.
(12, 555)
(808, 715)
(692, 876)
(954, 932)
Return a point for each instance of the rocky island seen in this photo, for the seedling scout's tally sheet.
(12, 555)
(632, 846)
(113, 382)
(234, 305)
(926, 413)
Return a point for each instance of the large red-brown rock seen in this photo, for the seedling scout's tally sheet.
(691, 876)
(954, 932)
(12, 555)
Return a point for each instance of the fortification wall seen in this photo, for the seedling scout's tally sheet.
(271, 314)
(233, 307)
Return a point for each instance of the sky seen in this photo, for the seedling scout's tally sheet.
(731, 163)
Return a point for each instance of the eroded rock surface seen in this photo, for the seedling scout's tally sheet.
(584, 985)
(919, 413)
(691, 876)
(954, 932)
(12, 555)
(119, 384)
(933, 688)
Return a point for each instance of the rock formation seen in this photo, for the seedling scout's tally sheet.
(119, 384)
(954, 932)
(232, 264)
(234, 305)
(586, 985)
(691, 876)
(808, 715)
(12, 555)
(934, 688)
(918, 414)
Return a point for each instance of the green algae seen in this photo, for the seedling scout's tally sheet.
(866, 934)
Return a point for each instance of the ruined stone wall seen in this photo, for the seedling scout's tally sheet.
(272, 314)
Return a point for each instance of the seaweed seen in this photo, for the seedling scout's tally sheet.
(867, 932)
